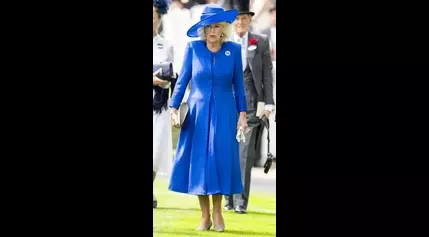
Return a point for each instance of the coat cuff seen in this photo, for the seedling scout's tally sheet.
(166, 86)
(269, 107)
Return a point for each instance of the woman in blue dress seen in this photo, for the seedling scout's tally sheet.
(207, 160)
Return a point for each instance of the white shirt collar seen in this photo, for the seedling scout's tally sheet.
(244, 38)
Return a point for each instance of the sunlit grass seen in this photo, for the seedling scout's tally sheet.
(179, 215)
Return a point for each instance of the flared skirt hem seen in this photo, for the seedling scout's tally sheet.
(203, 193)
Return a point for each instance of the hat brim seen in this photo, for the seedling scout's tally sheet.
(225, 16)
(247, 13)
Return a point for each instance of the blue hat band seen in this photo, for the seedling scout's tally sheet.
(212, 14)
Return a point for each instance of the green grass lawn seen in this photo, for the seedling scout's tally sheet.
(179, 215)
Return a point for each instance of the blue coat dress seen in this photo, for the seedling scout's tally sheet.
(207, 155)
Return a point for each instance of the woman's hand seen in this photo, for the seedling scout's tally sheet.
(157, 81)
(175, 117)
(242, 121)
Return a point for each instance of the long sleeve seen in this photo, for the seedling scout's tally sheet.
(238, 80)
(170, 58)
(184, 77)
(267, 73)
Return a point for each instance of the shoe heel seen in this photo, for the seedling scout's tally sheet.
(205, 228)
(220, 228)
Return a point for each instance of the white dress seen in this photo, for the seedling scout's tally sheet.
(162, 129)
(176, 33)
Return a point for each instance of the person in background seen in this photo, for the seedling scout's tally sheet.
(162, 134)
(190, 3)
(197, 9)
(271, 33)
(258, 82)
(176, 22)
(207, 155)
(261, 19)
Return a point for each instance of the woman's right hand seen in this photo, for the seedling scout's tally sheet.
(242, 122)
(157, 81)
(175, 117)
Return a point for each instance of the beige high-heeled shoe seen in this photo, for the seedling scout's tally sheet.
(219, 228)
(205, 228)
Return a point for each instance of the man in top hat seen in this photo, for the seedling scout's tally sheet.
(236, 4)
(258, 82)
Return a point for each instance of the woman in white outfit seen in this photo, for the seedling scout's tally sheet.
(162, 134)
(175, 25)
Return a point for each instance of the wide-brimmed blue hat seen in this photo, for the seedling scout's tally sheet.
(212, 13)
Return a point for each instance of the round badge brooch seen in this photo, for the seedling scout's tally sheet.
(227, 53)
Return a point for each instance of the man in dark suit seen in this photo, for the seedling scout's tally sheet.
(258, 82)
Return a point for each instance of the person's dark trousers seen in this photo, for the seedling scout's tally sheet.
(154, 202)
(248, 153)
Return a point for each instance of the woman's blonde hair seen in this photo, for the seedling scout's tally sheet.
(225, 35)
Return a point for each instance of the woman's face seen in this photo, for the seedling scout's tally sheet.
(213, 32)
(155, 19)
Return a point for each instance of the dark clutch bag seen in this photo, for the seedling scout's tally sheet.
(166, 72)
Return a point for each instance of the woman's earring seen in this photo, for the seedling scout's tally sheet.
(222, 35)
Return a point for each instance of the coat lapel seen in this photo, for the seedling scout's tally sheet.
(250, 53)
